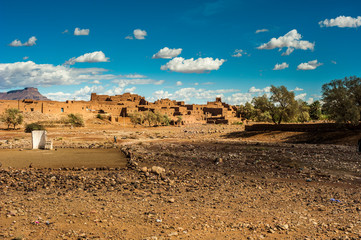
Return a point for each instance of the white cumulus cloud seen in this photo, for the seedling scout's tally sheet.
(81, 32)
(342, 22)
(238, 53)
(298, 89)
(114, 91)
(301, 96)
(281, 66)
(179, 83)
(262, 30)
(130, 90)
(292, 40)
(167, 53)
(135, 75)
(310, 65)
(137, 34)
(29, 43)
(189, 94)
(141, 81)
(239, 98)
(86, 91)
(199, 65)
(310, 100)
(161, 94)
(81, 94)
(257, 90)
(97, 56)
(59, 96)
(24, 74)
(186, 94)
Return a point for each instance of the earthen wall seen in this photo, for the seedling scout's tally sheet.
(120, 106)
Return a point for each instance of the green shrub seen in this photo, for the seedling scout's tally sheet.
(153, 119)
(33, 126)
(101, 117)
(137, 118)
(76, 120)
(161, 119)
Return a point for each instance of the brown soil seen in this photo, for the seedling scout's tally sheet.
(218, 183)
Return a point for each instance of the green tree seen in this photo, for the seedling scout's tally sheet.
(137, 118)
(179, 120)
(247, 111)
(264, 109)
(76, 120)
(150, 117)
(280, 107)
(315, 110)
(158, 118)
(12, 116)
(163, 119)
(342, 100)
(284, 104)
(303, 114)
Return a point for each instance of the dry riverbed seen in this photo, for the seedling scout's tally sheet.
(186, 183)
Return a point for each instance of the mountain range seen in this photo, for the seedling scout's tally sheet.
(26, 93)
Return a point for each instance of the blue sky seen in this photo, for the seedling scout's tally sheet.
(68, 49)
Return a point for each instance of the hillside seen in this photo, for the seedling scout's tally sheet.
(26, 93)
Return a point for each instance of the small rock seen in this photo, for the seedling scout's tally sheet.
(13, 212)
(158, 170)
(173, 234)
(283, 227)
(171, 200)
(17, 238)
(218, 160)
(151, 238)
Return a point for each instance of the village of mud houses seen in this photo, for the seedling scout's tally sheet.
(165, 120)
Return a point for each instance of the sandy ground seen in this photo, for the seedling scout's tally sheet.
(62, 158)
(189, 182)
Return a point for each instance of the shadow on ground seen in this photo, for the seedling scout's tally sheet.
(346, 137)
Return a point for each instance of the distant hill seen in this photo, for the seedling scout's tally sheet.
(26, 93)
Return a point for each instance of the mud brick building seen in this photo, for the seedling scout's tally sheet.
(118, 108)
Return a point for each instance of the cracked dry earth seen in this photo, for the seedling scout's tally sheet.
(197, 188)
